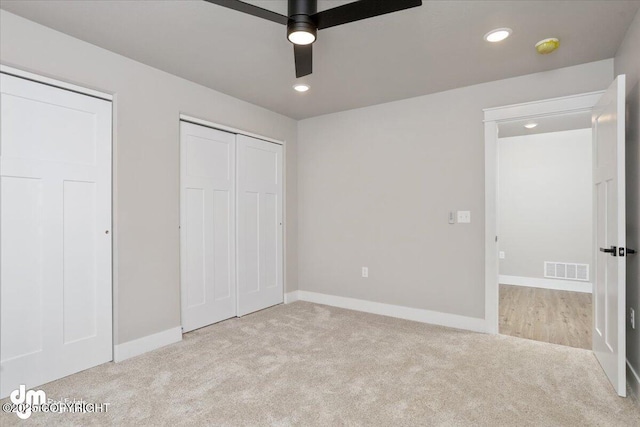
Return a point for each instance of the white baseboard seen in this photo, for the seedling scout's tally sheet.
(559, 285)
(142, 345)
(290, 297)
(408, 313)
(633, 379)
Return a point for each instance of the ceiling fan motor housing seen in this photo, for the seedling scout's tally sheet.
(302, 7)
(300, 12)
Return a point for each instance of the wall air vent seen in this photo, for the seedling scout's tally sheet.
(566, 270)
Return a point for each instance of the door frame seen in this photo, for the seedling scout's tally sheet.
(207, 123)
(492, 118)
(110, 97)
(5, 69)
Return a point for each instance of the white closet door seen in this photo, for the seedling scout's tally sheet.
(260, 280)
(55, 240)
(207, 225)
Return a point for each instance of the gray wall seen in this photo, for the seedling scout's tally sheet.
(544, 201)
(375, 185)
(627, 61)
(146, 162)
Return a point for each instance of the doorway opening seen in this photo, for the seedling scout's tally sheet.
(544, 218)
(608, 248)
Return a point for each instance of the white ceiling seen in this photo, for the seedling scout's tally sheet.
(432, 48)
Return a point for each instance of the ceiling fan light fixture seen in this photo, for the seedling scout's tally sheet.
(497, 35)
(301, 37)
(301, 32)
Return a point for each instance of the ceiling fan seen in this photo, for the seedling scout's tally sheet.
(304, 21)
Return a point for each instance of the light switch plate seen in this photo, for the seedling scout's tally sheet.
(365, 271)
(464, 217)
(501, 254)
(452, 217)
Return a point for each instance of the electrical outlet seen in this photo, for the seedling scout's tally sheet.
(501, 254)
(464, 217)
(632, 318)
(365, 271)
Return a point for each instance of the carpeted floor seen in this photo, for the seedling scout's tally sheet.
(306, 364)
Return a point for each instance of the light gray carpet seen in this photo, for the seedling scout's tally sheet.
(307, 364)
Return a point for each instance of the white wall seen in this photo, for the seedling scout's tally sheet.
(544, 201)
(376, 183)
(627, 61)
(147, 105)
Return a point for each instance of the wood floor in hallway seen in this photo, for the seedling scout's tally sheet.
(558, 317)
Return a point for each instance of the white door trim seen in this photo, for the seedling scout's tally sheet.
(544, 107)
(197, 121)
(53, 82)
(492, 117)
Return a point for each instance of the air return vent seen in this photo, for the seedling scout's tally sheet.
(565, 270)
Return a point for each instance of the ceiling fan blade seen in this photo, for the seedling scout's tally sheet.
(304, 59)
(241, 6)
(359, 10)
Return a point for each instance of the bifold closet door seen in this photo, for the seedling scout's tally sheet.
(260, 279)
(207, 225)
(55, 240)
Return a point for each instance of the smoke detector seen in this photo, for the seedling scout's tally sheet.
(547, 45)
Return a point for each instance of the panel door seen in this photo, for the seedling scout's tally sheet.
(55, 240)
(260, 250)
(207, 225)
(609, 288)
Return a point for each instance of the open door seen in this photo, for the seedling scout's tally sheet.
(608, 126)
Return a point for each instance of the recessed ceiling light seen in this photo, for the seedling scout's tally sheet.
(301, 87)
(497, 35)
(530, 125)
